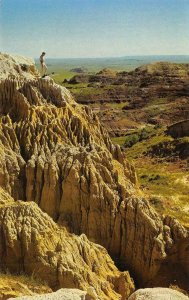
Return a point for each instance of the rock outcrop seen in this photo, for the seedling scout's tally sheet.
(31, 243)
(66, 294)
(164, 68)
(14, 66)
(56, 153)
(157, 293)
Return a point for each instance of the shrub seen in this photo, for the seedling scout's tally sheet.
(131, 140)
(144, 134)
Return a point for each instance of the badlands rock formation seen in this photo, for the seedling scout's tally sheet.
(156, 93)
(165, 68)
(56, 153)
(32, 243)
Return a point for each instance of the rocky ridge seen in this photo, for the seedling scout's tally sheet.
(56, 153)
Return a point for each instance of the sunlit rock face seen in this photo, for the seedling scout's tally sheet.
(56, 153)
(17, 67)
(32, 243)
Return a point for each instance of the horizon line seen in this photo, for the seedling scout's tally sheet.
(110, 57)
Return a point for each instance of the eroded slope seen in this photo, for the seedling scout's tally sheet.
(32, 243)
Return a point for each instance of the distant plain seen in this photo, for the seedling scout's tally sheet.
(62, 66)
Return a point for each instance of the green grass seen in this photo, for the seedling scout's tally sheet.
(61, 75)
(119, 140)
(117, 105)
(148, 137)
(143, 147)
(82, 89)
(87, 91)
(157, 101)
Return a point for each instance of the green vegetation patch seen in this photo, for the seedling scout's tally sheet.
(119, 140)
(60, 76)
(142, 141)
(157, 101)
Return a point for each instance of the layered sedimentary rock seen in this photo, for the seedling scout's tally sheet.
(156, 93)
(56, 153)
(32, 243)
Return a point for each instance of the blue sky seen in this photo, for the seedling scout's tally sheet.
(94, 28)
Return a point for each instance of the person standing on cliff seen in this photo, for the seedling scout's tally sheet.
(43, 65)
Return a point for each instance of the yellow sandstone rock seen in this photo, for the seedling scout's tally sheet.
(32, 243)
